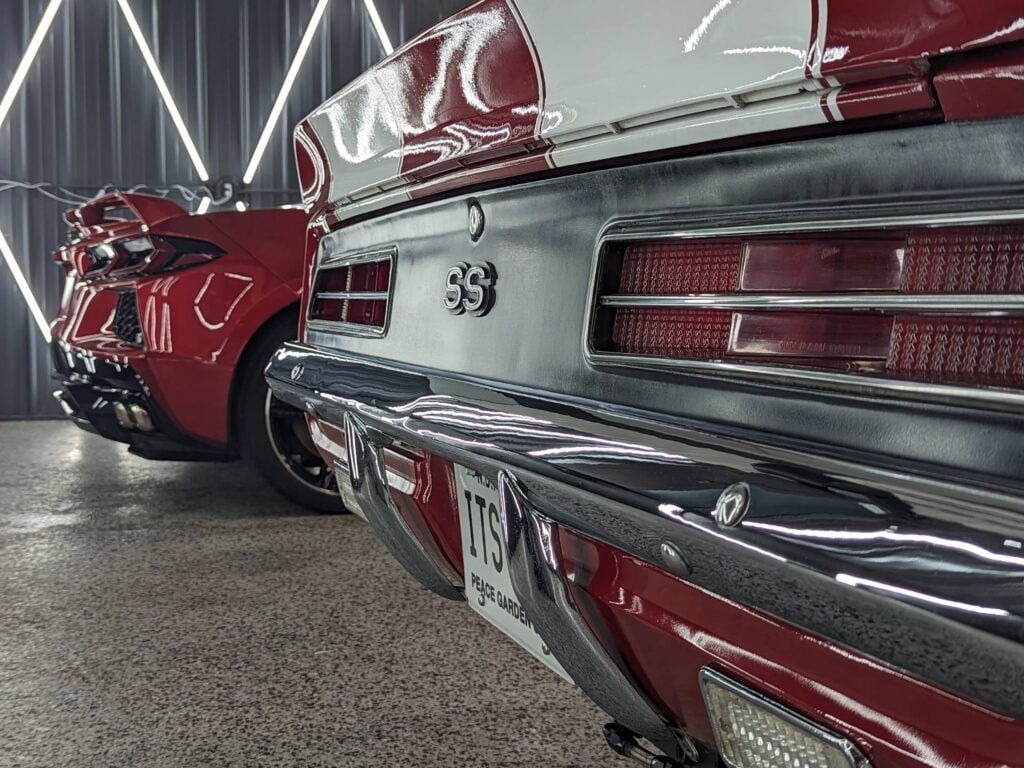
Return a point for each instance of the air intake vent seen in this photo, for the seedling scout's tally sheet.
(352, 294)
(126, 319)
(938, 305)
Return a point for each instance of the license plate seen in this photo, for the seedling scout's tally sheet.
(488, 584)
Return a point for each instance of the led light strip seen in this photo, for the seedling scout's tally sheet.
(378, 26)
(26, 61)
(161, 85)
(23, 286)
(5, 108)
(286, 87)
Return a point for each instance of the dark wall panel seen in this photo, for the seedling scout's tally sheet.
(89, 115)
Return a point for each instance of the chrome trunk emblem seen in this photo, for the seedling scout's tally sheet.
(732, 505)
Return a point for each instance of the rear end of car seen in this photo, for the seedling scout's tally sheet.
(153, 318)
(715, 408)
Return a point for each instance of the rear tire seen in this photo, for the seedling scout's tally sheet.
(273, 436)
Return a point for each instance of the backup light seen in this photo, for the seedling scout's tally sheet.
(754, 732)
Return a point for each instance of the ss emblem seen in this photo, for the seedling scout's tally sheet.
(469, 288)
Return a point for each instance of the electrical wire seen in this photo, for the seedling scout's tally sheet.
(67, 196)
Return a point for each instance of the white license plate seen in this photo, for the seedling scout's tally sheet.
(488, 584)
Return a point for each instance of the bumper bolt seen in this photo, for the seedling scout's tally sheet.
(674, 560)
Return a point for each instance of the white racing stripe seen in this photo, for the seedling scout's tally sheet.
(605, 61)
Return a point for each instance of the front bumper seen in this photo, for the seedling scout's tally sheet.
(93, 390)
(832, 556)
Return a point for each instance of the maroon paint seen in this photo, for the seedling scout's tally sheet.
(313, 172)
(982, 85)
(900, 97)
(869, 38)
(196, 321)
(444, 117)
(483, 174)
(668, 629)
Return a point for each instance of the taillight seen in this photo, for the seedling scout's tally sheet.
(150, 254)
(310, 166)
(935, 304)
(353, 293)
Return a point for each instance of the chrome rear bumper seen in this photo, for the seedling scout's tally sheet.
(908, 569)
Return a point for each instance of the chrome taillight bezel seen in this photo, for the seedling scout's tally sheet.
(327, 262)
(625, 231)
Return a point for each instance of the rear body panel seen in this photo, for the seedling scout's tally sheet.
(927, 490)
(194, 322)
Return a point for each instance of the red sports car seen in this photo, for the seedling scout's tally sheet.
(685, 341)
(165, 326)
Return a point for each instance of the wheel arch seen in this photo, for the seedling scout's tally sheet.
(285, 315)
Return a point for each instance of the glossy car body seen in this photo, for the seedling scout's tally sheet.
(872, 582)
(194, 322)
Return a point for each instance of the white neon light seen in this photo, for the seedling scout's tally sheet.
(161, 85)
(378, 25)
(204, 206)
(286, 87)
(239, 206)
(26, 61)
(23, 286)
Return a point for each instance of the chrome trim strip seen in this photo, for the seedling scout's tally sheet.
(629, 231)
(539, 580)
(362, 257)
(632, 230)
(350, 329)
(960, 304)
(708, 676)
(986, 397)
(348, 295)
(336, 261)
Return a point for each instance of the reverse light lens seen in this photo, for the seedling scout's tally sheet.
(755, 732)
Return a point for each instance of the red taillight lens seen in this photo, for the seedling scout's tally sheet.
(353, 293)
(671, 332)
(665, 268)
(941, 304)
(984, 350)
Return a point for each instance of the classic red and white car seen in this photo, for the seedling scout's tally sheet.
(685, 341)
(166, 324)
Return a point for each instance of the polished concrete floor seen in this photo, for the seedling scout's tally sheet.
(161, 614)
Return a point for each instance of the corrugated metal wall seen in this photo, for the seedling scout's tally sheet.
(90, 115)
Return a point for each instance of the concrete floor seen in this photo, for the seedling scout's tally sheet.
(158, 614)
